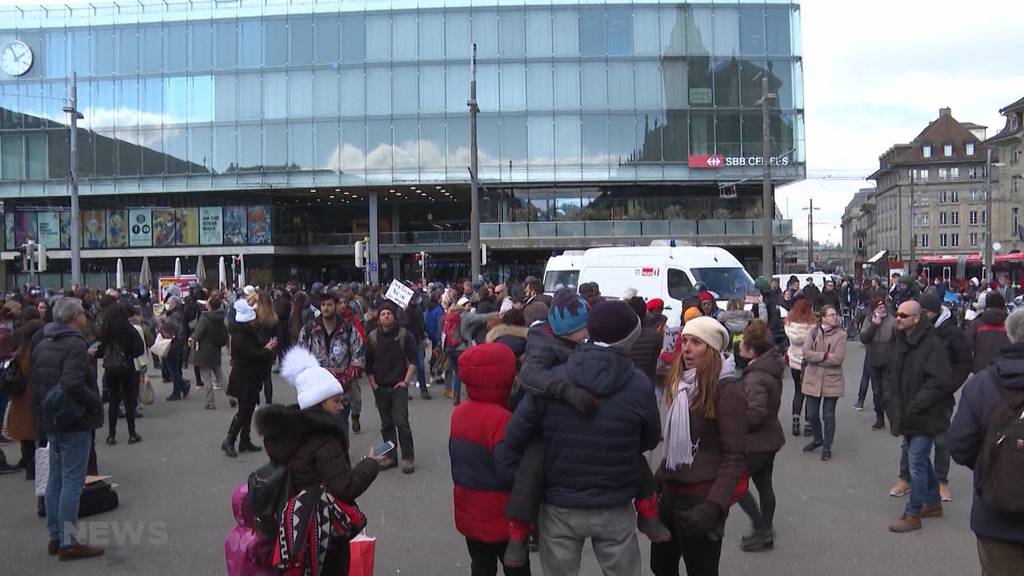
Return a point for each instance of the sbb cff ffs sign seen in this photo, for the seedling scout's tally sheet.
(717, 161)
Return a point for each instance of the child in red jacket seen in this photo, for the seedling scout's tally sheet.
(478, 430)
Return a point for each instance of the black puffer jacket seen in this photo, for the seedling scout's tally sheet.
(762, 387)
(60, 358)
(986, 337)
(250, 361)
(956, 345)
(314, 445)
(646, 350)
(919, 381)
(544, 351)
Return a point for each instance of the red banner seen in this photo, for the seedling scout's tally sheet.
(706, 161)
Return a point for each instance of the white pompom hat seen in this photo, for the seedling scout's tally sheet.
(312, 383)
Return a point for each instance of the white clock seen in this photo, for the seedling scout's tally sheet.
(16, 58)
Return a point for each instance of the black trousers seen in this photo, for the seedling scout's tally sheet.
(878, 389)
(242, 422)
(393, 405)
(337, 559)
(798, 395)
(760, 466)
(701, 555)
(485, 558)
(120, 387)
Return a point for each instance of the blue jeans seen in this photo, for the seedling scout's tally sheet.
(173, 362)
(421, 367)
(69, 455)
(453, 365)
(924, 486)
(817, 410)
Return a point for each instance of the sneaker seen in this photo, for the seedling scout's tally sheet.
(448, 394)
(812, 446)
(826, 455)
(425, 395)
(906, 523)
(944, 492)
(210, 406)
(900, 489)
(388, 464)
(216, 387)
(408, 467)
(807, 431)
(173, 398)
(879, 424)
(78, 552)
(859, 406)
(134, 439)
(931, 511)
(356, 426)
(232, 402)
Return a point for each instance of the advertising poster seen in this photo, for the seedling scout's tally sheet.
(117, 229)
(259, 225)
(188, 226)
(182, 282)
(25, 227)
(211, 229)
(140, 228)
(165, 227)
(65, 229)
(235, 227)
(94, 229)
(49, 229)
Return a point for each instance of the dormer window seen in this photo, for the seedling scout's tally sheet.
(969, 148)
(947, 150)
(926, 151)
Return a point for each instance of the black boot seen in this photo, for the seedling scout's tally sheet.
(41, 507)
(228, 446)
(758, 541)
(246, 445)
(796, 425)
(879, 423)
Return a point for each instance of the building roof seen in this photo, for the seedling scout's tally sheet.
(1014, 127)
(1019, 104)
(943, 130)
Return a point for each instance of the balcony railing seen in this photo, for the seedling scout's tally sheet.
(631, 228)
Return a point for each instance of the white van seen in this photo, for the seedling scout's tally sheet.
(672, 273)
(563, 270)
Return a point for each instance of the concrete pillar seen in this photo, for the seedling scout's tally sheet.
(396, 266)
(373, 249)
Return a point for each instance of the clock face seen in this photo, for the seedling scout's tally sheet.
(16, 58)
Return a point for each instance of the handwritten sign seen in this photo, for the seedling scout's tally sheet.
(399, 293)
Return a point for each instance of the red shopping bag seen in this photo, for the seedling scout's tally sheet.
(361, 549)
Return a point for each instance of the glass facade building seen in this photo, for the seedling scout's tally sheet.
(210, 99)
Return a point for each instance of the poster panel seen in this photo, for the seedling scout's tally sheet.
(94, 229)
(49, 229)
(25, 228)
(165, 227)
(211, 227)
(188, 226)
(235, 227)
(65, 229)
(117, 229)
(140, 232)
(259, 225)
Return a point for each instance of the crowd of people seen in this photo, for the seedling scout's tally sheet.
(566, 395)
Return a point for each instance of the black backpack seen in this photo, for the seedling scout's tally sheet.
(220, 334)
(116, 361)
(270, 487)
(1001, 462)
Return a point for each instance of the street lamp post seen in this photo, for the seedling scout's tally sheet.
(76, 222)
(768, 204)
(988, 214)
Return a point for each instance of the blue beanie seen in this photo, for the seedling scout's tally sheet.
(568, 312)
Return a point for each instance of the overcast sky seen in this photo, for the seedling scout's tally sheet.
(876, 72)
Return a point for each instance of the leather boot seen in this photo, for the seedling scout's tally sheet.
(228, 446)
(246, 445)
(796, 425)
(879, 423)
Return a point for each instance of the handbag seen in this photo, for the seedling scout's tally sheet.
(11, 382)
(60, 409)
(161, 346)
(146, 394)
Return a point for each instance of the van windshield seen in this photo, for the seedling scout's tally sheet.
(553, 278)
(728, 283)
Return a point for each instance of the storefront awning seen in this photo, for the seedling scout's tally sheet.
(877, 257)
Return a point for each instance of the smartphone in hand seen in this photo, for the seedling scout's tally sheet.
(383, 449)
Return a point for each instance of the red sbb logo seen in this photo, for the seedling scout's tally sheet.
(712, 161)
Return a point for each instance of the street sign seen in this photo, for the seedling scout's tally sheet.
(373, 265)
(399, 293)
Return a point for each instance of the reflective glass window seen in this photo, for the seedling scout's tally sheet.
(778, 32)
(275, 156)
(645, 22)
(567, 86)
(702, 132)
(620, 85)
(175, 48)
(97, 57)
(485, 32)
(539, 87)
(674, 138)
(250, 147)
(225, 45)
(565, 29)
(649, 129)
(513, 86)
(176, 92)
(325, 92)
(431, 36)
(175, 149)
(538, 30)
(594, 85)
(224, 101)
(752, 132)
(327, 152)
(328, 41)
(488, 141)
(457, 87)
(225, 157)
(727, 133)
(568, 145)
(404, 36)
(458, 34)
(701, 87)
(727, 81)
(431, 84)
(457, 142)
(353, 38)
(151, 142)
(650, 85)
(86, 153)
(300, 33)
(353, 92)
(250, 96)
(200, 41)
(513, 33)
(405, 90)
(58, 153)
(12, 157)
(727, 31)
(129, 155)
(593, 33)
(621, 137)
(673, 30)
(250, 42)
(300, 146)
(541, 140)
(513, 139)
(406, 148)
(106, 153)
(56, 54)
(780, 82)
(275, 96)
(200, 149)
(300, 93)
(700, 30)
(619, 22)
(275, 42)
(594, 134)
(379, 154)
(752, 35)
(151, 42)
(127, 50)
(152, 101)
(353, 142)
(378, 37)
(378, 90)
(431, 143)
(783, 129)
(675, 83)
(127, 111)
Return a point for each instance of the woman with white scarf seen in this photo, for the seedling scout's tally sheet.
(705, 443)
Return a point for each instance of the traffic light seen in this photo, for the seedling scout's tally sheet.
(360, 251)
(40, 258)
(483, 254)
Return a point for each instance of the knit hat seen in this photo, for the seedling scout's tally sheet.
(568, 312)
(462, 302)
(930, 302)
(248, 290)
(654, 304)
(706, 296)
(762, 284)
(243, 311)
(487, 371)
(995, 300)
(691, 313)
(613, 323)
(312, 383)
(710, 331)
(537, 310)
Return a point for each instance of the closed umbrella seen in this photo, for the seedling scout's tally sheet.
(222, 274)
(145, 276)
(177, 267)
(119, 282)
(200, 271)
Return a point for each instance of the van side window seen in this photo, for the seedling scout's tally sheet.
(679, 285)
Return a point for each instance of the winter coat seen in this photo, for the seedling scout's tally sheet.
(813, 294)
(314, 445)
(544, 351)
(824, 352)
(432, 319)
(735, 320)
(250, 360)
(986, 337)
(979, 399)
(21, 421)
(476, 444)
(918, 383)
(956, 345)
(487, 306)
(645, 351)
(797, 335)
(877, 340)
(762, 388)
(342, 352)
(387, 358)
(768, 311)
(60, 358)
(172, 326)
(720, 460)
(474, 327)
(591, 463)
(133, 344)
(247, 552)
(412, 320)
(830, 298)
(512, 336)
(209, 353)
